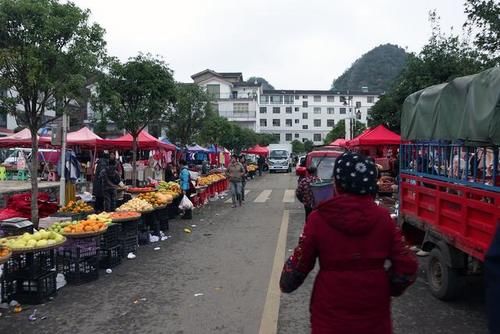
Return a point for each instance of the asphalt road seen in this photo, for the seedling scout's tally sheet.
(217, 280)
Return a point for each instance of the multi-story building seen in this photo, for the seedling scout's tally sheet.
(233, 98)
(310, 114)
(287, 114)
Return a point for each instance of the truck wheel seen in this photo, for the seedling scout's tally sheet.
(444, 282)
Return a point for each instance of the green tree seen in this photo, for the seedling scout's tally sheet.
(47, 49)
(264, 139)
(483, 17)
(137, 93)
(386, 111)
(265, 84)
(297, 147)
(241, 138)
(189, 115)
(216, 130)
(338, 131)
(308, 146)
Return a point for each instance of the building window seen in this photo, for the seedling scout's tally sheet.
(342, 111)
(330, 123)
(330, 111)
(317, 110)
(317, 123)
(317, 137)
(370, 99)
(277, 99)
(288, 136)
(304, 97)
(276, 122)
(263, 110)
(304, 104)
(296, 109)
(264, 99)
(276, 110)
(305, 127)
(213, 91)
(288, 110)
(297, 97)
(358, 104)
(317, 98)
(304, 140)
(305, 115)
(297, 135)
(288, 122)
(263, 122)
(330, 98)
(342, 99)
(240, 108)
(297, 121)
(277, 136)
(288, 99)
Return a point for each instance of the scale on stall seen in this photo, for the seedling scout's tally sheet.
(16, 226)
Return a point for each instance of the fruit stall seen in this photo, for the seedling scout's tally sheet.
(75, 243)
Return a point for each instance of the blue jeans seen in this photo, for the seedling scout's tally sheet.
(235, 191)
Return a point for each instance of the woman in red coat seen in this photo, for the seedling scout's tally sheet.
(362, 257)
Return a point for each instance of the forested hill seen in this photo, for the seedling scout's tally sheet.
(376, 69)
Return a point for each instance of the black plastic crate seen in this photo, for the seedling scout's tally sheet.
(111, 237)
(129, 245)
(143, 238)
(37, 290)
(162, 218)
(8, 289)
(78, 248)
(129, 228)
(78, 271)
(111, 257)
(30, 265)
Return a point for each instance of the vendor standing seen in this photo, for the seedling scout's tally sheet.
(110, 181)
(185, 178)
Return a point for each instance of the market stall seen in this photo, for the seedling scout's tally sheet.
(339, 142)
(258, 150)
(218, 155)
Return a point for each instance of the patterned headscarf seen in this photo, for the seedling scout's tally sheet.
(355, 173)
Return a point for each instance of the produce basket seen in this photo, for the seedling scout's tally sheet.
(37, 249)
(85, 234)
(5, 258)
(146, 211)
(73, 215)
(126, 219)
(139, 190)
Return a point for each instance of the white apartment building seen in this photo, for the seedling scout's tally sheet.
(234, 99)
(287, 114)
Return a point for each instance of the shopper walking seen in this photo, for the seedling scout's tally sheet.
(304, 192)
(355, 241)
(185, 178)
(243, 162)
(235, 174)
(260, 163)
(97, 188)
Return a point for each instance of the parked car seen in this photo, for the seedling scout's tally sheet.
(323, 158)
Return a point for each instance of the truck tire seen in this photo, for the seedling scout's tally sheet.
(445, 283)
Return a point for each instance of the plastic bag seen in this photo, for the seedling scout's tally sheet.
(185, 204)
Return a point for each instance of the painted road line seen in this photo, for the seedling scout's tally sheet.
(269, 322)
(230, 199)
(263, 196)
(289, 196)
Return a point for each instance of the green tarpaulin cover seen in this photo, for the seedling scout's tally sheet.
(467, 109)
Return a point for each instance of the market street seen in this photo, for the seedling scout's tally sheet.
(217, 280)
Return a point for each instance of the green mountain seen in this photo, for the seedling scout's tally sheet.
(376, 69)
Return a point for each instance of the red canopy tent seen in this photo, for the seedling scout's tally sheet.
(22, 139)
(379, 135)
(84, 138)
(145, 141)
(339, 142)
(258, 150)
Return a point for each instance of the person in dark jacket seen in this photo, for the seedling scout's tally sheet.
(363, 259)
(169, 173)
(109, 181)
(260, 162)
(304, 191)
(97, 189)
(243, 162)
(492, 277)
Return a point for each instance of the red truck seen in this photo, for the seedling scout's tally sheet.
(449, 176)
(323, 158)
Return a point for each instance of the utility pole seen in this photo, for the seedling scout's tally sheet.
(62, 181)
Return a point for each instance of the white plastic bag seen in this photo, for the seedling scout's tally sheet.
(185, 204)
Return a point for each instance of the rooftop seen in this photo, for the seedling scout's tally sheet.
(317, 92)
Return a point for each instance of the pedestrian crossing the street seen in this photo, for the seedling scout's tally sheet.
(265, 195)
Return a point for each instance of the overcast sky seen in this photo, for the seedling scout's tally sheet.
(294, 44)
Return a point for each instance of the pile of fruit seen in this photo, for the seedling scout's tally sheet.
(208, 180)
(170, 188)
(76, 207)
(85, 226)
(103, 217)
(251, 168)
(124, 215)
(40, 239)
(136, 205)
(139, 190)
(4, 251)
(58, 227)
(156, 199)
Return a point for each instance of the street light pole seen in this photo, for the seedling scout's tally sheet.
(62, 181)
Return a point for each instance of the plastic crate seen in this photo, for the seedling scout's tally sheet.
(8, 289)
(129, 229)
(30, 265)
(143, 238)
(35, 291)
(162, 218)
(110, 258)
(111, 237)
(78, 248)
(129, 245)
(78, 271)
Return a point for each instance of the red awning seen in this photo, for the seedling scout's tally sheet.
(257, 149)
(145, 141)
(379, 135)
(83, 137)
(22, 139)
(339, 142)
